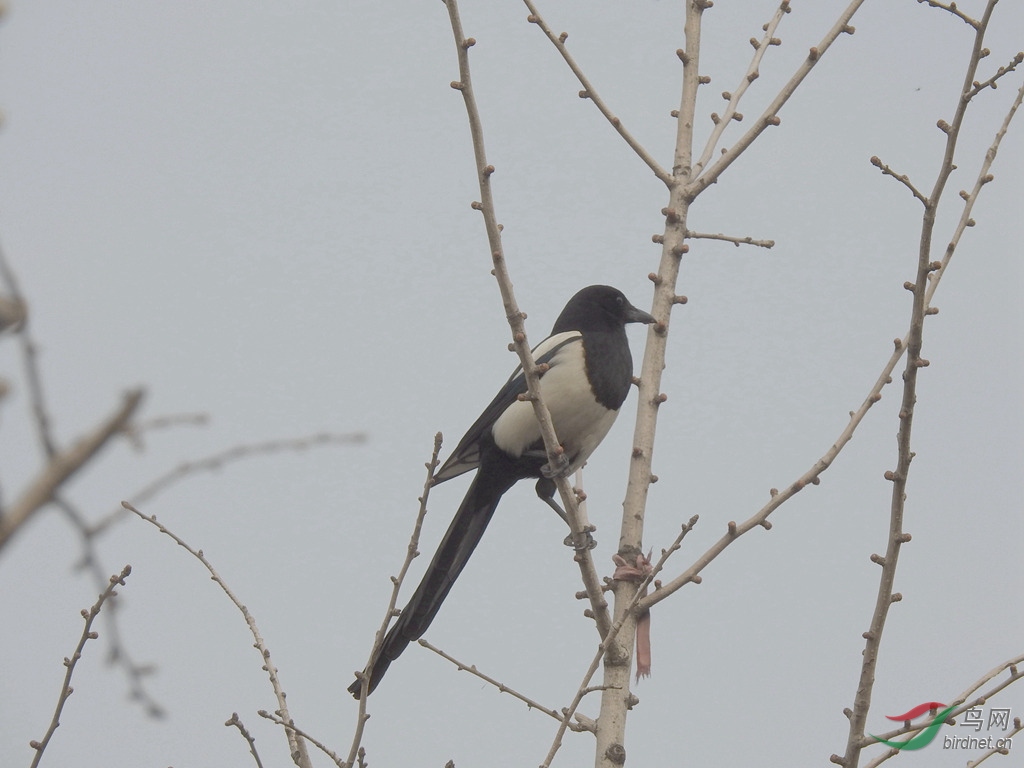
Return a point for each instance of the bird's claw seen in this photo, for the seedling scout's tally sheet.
(588, 544)
(562, 470)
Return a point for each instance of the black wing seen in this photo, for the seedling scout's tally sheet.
(466, 455)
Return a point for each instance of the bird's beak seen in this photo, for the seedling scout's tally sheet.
(634, 315)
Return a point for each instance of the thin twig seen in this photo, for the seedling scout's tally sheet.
(30, 360)
(902, 178)
(998, 750)
(292, 728)
(589, 92)
(297, 747)
(471, 668)
(515, 317)
(412, 551)
(628, 614)
(812, 475)
(983, 178)
(117, 652)
(70, 663)
(951, 8)
(737, 241)
(237, 723)
(965, 701)
(914, 363)
(1001, 72)
(770, 116)
(218, 461)
(137, 430)
(734, 96)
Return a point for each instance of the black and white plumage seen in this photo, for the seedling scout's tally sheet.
(588, 377)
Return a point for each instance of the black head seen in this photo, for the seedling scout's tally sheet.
(599, 308)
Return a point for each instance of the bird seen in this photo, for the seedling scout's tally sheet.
(587, 371)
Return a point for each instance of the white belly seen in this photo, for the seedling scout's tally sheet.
(580, 421)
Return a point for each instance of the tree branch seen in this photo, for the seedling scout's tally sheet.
(589, 92)
(297, 747)
(515, 319)
(914, 362)
(63, 465)
(87, 634)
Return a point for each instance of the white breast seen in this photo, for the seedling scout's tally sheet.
(580, 421)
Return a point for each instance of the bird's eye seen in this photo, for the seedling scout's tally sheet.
(619, 300)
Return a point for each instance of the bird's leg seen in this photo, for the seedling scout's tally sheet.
(546, 492)
(561, 470)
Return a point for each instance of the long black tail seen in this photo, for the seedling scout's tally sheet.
(452, 554)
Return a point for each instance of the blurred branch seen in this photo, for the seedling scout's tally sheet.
(297, 747)
(63, 465)
(515, 319)
(30, 361)
(70, 663)
(217, 461)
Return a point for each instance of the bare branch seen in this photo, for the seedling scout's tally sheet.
(951, 8)
(87, 634)
(117, 652)
(734, 96)
(297, 747)
(914, 363)
(696, 184)
(902, 178)
(412, 551)
(1001, 72)
(290, 726)
(471, 668)
(737, 241)
(31, 363)
(589, 92)
(234, 721)
(63, 465)
(217, 461)
(984, 177)
(964, 702)
(515, 319)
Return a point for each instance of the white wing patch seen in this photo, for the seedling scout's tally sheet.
(569, 398)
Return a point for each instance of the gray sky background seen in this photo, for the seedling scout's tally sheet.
(261, 212)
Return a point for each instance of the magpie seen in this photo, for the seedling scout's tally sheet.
(589, 370)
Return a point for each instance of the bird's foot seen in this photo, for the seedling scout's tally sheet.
(588, 543)
(561, 470)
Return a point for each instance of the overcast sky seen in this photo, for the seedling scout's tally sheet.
(261, 212)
